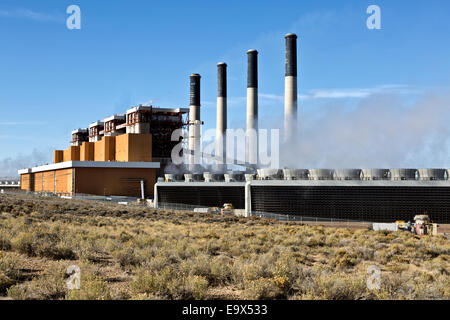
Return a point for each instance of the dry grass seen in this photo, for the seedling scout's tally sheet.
(141, 253)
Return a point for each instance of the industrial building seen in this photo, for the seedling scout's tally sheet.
(120, 155)
(125, 153)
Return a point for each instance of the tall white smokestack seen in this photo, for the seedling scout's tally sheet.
(252, 108)
(221, 116)
(194, 122)
(290, 88)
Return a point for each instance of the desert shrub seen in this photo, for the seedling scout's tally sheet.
(344, 259)
(265, 289)
(91, 288)
(5, 243)
(9, 271)
(24, 243)
(45, 287)
(171, 285)
(127, 258)
(331, 286)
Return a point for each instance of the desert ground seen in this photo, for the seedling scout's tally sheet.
(137, 252)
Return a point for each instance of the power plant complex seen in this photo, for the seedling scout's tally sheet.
(130, 155)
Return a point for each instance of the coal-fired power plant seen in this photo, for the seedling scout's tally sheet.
(132, 154)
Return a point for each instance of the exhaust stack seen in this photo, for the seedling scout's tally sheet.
(252, 108)
(290, 88)
(194, 122)
(221, 116)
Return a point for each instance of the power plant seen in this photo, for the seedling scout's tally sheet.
(129, 154)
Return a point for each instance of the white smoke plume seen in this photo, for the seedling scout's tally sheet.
(380, 131)
(10, 165)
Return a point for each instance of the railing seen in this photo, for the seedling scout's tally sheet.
(178, 206)
(286, 217)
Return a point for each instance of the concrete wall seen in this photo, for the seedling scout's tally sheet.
(104, 149)
(87, 151)
(133, 147)
(114, 181)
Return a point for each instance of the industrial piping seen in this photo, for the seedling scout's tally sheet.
(221, 116)
(252, 108)
(194, 122)
(290, 88)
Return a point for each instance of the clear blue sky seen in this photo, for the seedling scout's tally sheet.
(53, 80)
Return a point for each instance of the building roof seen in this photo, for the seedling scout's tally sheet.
(91, 164)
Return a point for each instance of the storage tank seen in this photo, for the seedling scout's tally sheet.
(320, 174)
(212, 177)
(347, 174)
(403, 174)
(269, 174)
(432, 174)
(295, 174)
(172, 177)
(234, 176)
(375, 174)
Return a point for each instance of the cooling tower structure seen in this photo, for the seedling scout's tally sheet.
(212, 177)
(432, 174)
(320, 174)
(347, 174)
(295, 174)
(269, 174)
(194, 123)
(221, 128)
(290, 89)
(375, 174)
(403, 174)
(252, 108)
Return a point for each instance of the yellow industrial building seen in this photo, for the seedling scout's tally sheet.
(116, 165)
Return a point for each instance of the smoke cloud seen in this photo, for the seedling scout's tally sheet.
(380, 131)
(10, 165)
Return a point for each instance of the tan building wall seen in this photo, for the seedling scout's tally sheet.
(58, 156)
(38, 181)
(114, 181)
(104, 149)
(64, 180)
(71, 154)
(133, 147)
(87, 151)
(49, 181)
(27, 182)
(97, 181)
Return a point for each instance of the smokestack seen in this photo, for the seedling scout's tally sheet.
(221, 116)
(290, 88)
(252, 108)
(194, 122)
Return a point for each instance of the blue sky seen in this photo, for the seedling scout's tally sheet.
(53, 80)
